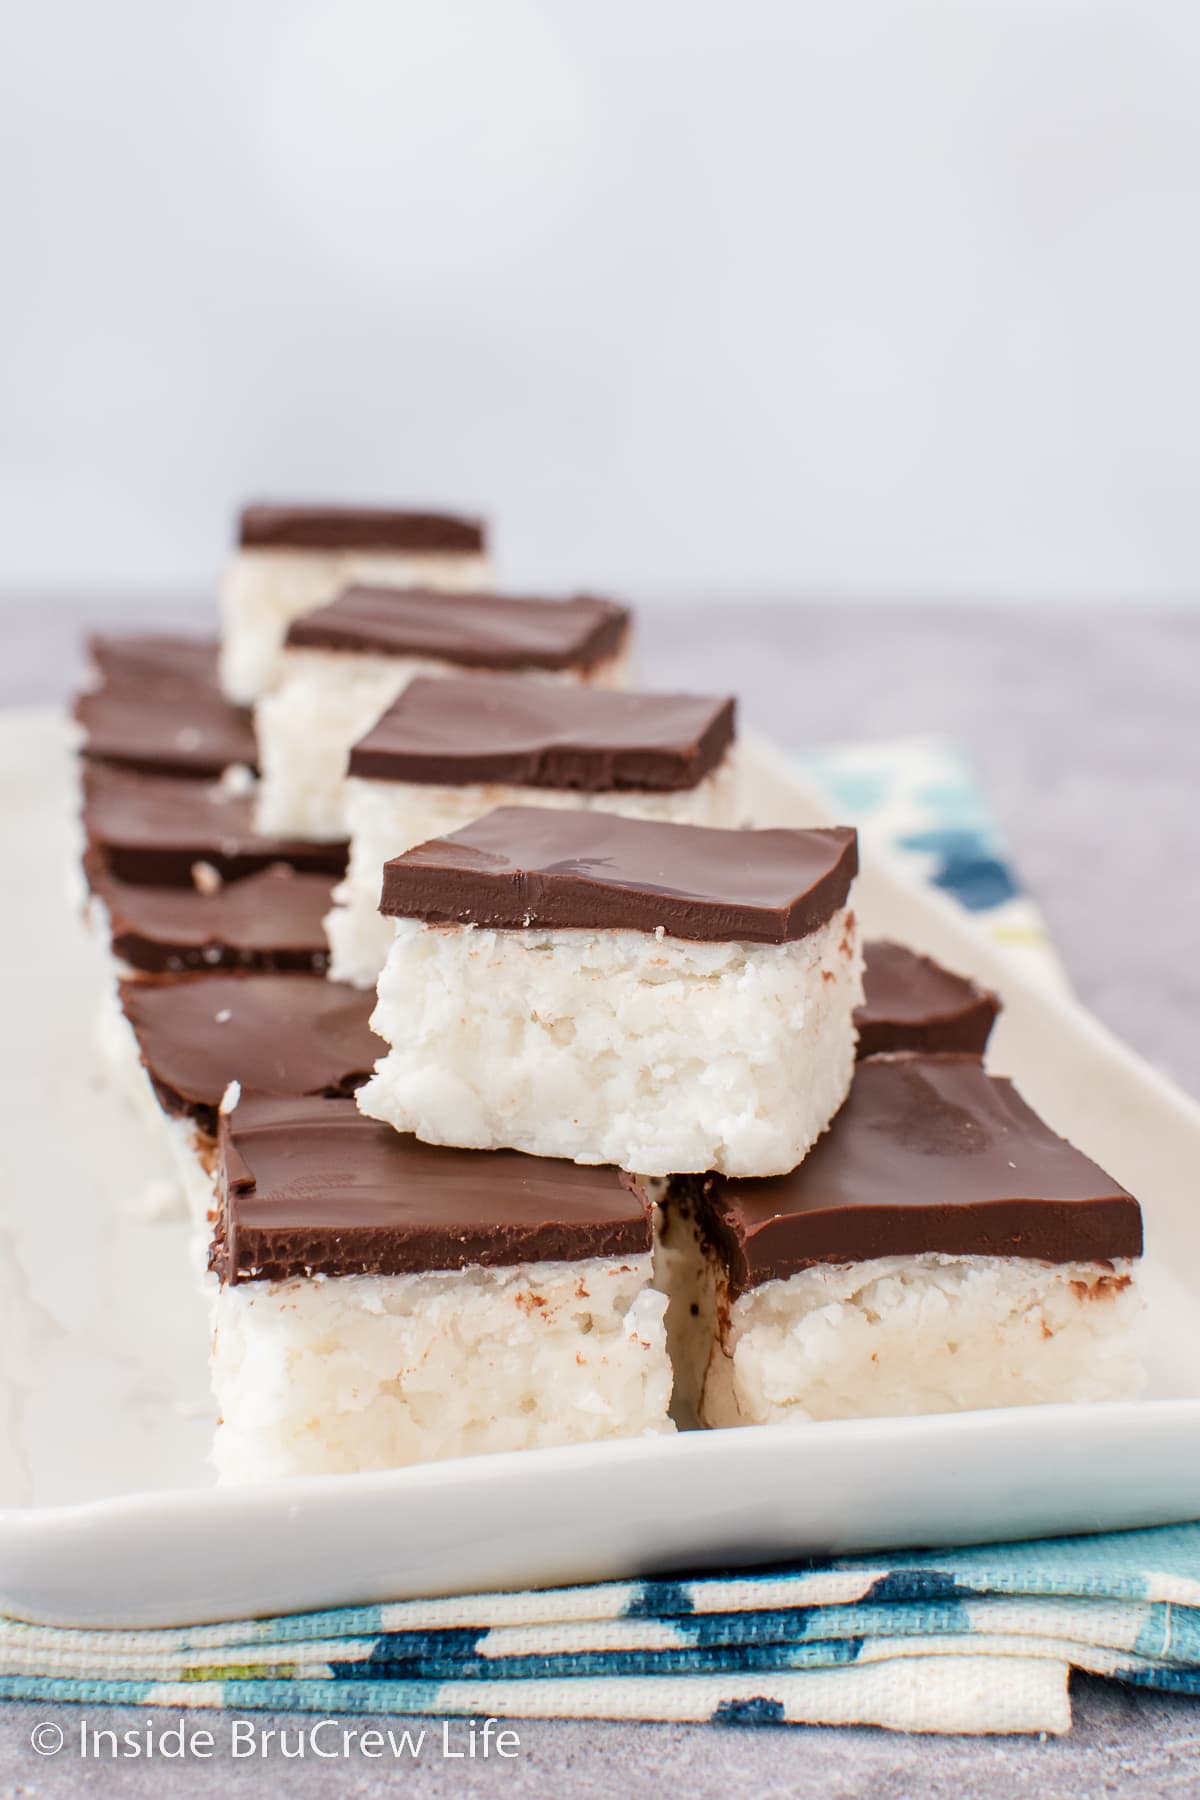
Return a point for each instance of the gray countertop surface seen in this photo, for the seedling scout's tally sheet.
(1085, 728)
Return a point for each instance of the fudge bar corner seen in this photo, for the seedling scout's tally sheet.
(939, 1250)
(385, 1302)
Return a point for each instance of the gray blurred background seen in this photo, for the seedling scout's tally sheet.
(694, 297)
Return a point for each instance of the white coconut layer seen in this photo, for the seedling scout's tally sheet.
(331, 1374)
(925, 1334)
(324, 702)
(387, 817)
(647, 1051)
(264, 590)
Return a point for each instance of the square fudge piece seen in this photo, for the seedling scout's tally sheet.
(911, 1003)
(182, 1045)
(668, 998)
(272, 920)
(157, 831)
(384, 1303)
(448, 751)
(292, 559)
(154, 705)
(344, 665)
(941, 1249)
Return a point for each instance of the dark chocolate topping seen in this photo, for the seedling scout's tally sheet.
(359, 528)
(545, 734)
(476, 631)
(269, 920)
(912, 1003)
(159, 708)
(286, 1035)
(153, 830)
(311, 1186)
(527, 865)
(929, 1154)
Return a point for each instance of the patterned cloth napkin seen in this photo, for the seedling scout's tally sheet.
(920, 800)
(976, 1640)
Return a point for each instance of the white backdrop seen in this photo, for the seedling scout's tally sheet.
(887, 297)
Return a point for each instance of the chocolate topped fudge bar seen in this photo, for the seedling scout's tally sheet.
(157, 831)
(939, 1249)
(271, 920)
(345, 664)
(911, 1003)
(448, 751)
(383, 1302)
(291, 559)
(668, 998)
(157, 708)
(179, 1042)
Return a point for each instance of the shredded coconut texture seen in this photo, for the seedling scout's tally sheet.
(660, 1055)
(926, 1334)
(323, 1375)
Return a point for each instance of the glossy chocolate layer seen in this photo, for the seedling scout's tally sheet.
(269, 920)
(285, 1035)
(524, 865)
(359, 528)
(929, 1154)
(912, 1003)
(545, 734)
(158, 708)
(152, 830)
(313, 1187)
(476, 631)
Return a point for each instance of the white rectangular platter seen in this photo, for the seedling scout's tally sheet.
(108, 1514)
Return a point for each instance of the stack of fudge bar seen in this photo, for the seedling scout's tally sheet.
(518, 1092)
